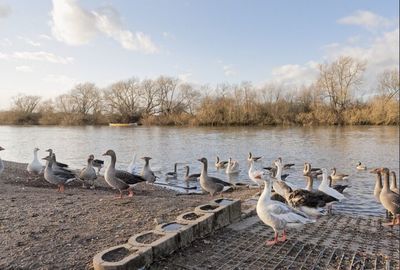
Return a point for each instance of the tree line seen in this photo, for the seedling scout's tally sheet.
(331, 100)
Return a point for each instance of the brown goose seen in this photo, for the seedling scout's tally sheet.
(88, 174)
(191, 177)
(250, 157)
(118, 179)
(389, 199)
(210, 184)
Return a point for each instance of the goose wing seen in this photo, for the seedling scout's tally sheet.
(283, 212)
(64, 174)
(129, 178)
(219, 181)
(194, 175)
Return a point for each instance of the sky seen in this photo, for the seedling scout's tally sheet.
(47, 47)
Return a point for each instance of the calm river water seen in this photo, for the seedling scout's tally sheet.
(322, 146)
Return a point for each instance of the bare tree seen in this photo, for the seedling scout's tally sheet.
(168, 94)
(389, 84)
(122, 98)
(190, 97)
(25, 103)
(86, 97)
(338, 80)
(148, 96)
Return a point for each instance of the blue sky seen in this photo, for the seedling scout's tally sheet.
(48, 46)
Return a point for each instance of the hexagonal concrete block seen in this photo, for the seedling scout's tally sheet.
(202, 222)
(235, 208)
(221, 214)
(162, 243)
(123, 257)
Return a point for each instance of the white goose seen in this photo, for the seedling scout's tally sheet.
(133, 167)
(324, 187)
(256, 176)
(278, 215)
(232, 167)
(147, 173)
(1, 162)
(35, 167)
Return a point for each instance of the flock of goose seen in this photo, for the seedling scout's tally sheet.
(286, 206)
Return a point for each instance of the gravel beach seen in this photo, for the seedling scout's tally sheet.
(43, 229)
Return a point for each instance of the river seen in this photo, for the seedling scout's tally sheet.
(340, 147)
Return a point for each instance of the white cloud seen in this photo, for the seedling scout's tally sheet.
(229, 70)
(30, 41)
(365, 19)
(76, 26)
(38, 56)
(382, 53)
(23, 69)
(295, 74)
(5, 10)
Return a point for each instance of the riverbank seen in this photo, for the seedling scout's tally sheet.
(42, 229)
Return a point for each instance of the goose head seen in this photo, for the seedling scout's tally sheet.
(109, 153)
(90, 158)
(147, 159)
(35, 149)
(203, 160)
(50, 151)
(1, 148)
(324, 171)
(376, 170)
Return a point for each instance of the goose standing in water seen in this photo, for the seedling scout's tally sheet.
(58, 178)
(393, 183)
(324, 187)
(361, 167)
(278, 215)
(251, 158)
(88, 174)
(339, 188)
(338, 176)
(118, 179)
(220, 164)
(147, 173)
(208, 183)
(173, 174)
(313, 172)
(232, 167)
(35, 167)
(191, 177)
(133, 167)
(389, 199)
(1, 162)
